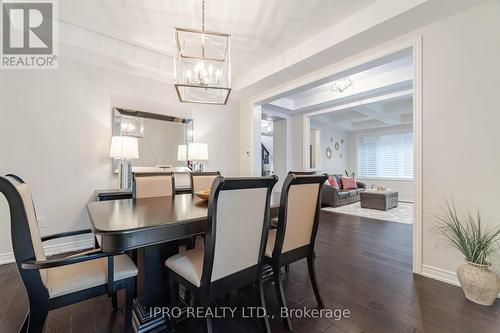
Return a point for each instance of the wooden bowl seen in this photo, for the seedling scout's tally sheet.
(203, 194)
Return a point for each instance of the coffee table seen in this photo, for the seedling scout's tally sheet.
(381, 200)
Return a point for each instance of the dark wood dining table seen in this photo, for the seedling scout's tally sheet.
(150, 230)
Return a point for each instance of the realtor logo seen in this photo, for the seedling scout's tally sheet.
(28, 30)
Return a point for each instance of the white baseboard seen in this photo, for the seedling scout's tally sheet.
(54, 248)
(6, 258)
(442, 275)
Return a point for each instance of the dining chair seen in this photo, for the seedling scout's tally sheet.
(294, 237)
(54, 283)
(201, 181)
(237, 229)
(302, 173)
(158, 184)
(153, 184)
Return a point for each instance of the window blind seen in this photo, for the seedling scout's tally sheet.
(386, 155)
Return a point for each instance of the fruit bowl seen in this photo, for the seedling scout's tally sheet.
(203, 194)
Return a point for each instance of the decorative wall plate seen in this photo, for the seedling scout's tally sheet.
(331, 139)
(342, 141)
(328, 153)
(337, 146)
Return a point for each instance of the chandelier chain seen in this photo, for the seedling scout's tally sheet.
(203, 15)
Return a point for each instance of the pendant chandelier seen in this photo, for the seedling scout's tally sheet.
(202, 65)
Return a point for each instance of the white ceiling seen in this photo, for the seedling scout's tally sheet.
(387, 113)
(386, 78)
(261, 29)
(404, 61)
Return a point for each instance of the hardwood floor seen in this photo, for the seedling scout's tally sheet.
(363, 265)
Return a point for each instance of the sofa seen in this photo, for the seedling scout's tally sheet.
(333, 197)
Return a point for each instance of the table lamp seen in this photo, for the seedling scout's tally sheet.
(124, 148)
(197, 152)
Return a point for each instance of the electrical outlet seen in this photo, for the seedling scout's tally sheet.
(42, 223)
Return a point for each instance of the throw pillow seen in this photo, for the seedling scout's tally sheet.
(349, 182)
(333, 182)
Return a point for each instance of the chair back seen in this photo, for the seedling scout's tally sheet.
(238, 223)
(302, 173)
(154, 184)
(201, 181)
(25, 235)
(299, 212)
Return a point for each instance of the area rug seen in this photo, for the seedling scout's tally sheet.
(403, 213)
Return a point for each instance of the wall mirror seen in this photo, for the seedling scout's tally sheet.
(158, 136)
(328, 153)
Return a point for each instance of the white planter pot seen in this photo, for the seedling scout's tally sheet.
(479, 283)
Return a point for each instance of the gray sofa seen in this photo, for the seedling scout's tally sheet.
(339, 197)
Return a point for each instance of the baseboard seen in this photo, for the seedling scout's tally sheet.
(6, 258)
(442, 275)
(55, 248)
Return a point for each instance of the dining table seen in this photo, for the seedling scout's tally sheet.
(150, 231)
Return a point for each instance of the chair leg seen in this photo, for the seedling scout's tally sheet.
(281, 295)
(287, 269)
(36, 317)
(262, 303)
(129, 304)
(314, 280)
(205, 303)
(173, 299)
(114, 301)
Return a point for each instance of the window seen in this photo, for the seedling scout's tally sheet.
(386, 155)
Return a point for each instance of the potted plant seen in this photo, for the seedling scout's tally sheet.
(476, 242)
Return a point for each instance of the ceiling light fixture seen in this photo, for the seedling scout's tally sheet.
(202, 65)
(341, 85)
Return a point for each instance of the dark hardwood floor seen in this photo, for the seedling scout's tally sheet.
(363, 265)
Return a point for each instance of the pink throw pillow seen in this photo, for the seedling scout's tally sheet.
(349, 183)
(333, 182)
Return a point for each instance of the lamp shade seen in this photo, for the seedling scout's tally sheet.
(198, 151)
(124, 147)
(182, 153)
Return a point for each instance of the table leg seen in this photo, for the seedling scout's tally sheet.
(152, 285)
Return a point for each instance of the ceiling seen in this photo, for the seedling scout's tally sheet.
(388, 113)
(260, 29)
(380, 96)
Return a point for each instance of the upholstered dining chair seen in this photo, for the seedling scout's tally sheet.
(294, 237)
(153, 184)
(201, 181)
(237, 228)
(54, 283)
(302, 173)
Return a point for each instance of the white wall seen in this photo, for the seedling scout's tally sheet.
(405, 188)
(218, 127)
(461, 81)
(55, 131)
(337, 164)
(281, 142)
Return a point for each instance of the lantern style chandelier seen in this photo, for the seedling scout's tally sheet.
(202, 65)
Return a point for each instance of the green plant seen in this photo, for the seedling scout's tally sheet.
(468, 234)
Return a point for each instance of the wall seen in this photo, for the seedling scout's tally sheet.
(461, 79)
(218, 127)
(55, 131)
(405, 188)
(281, 156)
(336, 164)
